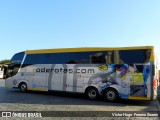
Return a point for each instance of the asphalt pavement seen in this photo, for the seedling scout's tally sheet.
(12, 99)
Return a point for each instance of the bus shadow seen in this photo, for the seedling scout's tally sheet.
(61, 98)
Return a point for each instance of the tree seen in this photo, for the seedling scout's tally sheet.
(4, 62)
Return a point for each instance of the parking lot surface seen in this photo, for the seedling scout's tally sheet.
(14, 100)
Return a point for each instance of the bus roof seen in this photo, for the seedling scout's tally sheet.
(85, 49)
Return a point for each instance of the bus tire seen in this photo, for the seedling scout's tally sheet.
(92, 93)
(110, 94)
(23, 87)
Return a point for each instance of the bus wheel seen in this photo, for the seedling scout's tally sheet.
(110, 94)
(92, 93)
(23, 87)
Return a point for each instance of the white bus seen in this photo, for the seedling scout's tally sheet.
(127, 72)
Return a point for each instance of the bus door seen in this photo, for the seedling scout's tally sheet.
(38, 78)
(55, 77)
(40, 81)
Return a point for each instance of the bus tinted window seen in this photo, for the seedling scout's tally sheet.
(66, 58)
(134, 56)
(53, 58)
(31, 59)
(99, 57)
(50, 58)
(87, 57)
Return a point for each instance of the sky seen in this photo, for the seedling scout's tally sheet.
(45, 24)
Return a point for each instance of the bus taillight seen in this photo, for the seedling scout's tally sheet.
(155, 83)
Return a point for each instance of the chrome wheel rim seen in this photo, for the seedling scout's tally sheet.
(92, 93)
(23, 87)
(110, 95)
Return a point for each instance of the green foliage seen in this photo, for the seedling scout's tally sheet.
(4, 62)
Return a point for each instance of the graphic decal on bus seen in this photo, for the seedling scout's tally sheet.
(62, 70)
(103, 67)
(127, 79)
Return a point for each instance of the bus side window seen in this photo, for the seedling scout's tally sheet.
(131, 56)
(98, 57)
(147, 54)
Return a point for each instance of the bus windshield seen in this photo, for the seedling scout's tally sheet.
(14, 67)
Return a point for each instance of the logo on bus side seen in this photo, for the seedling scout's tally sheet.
(62, 70)
(103, 67)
